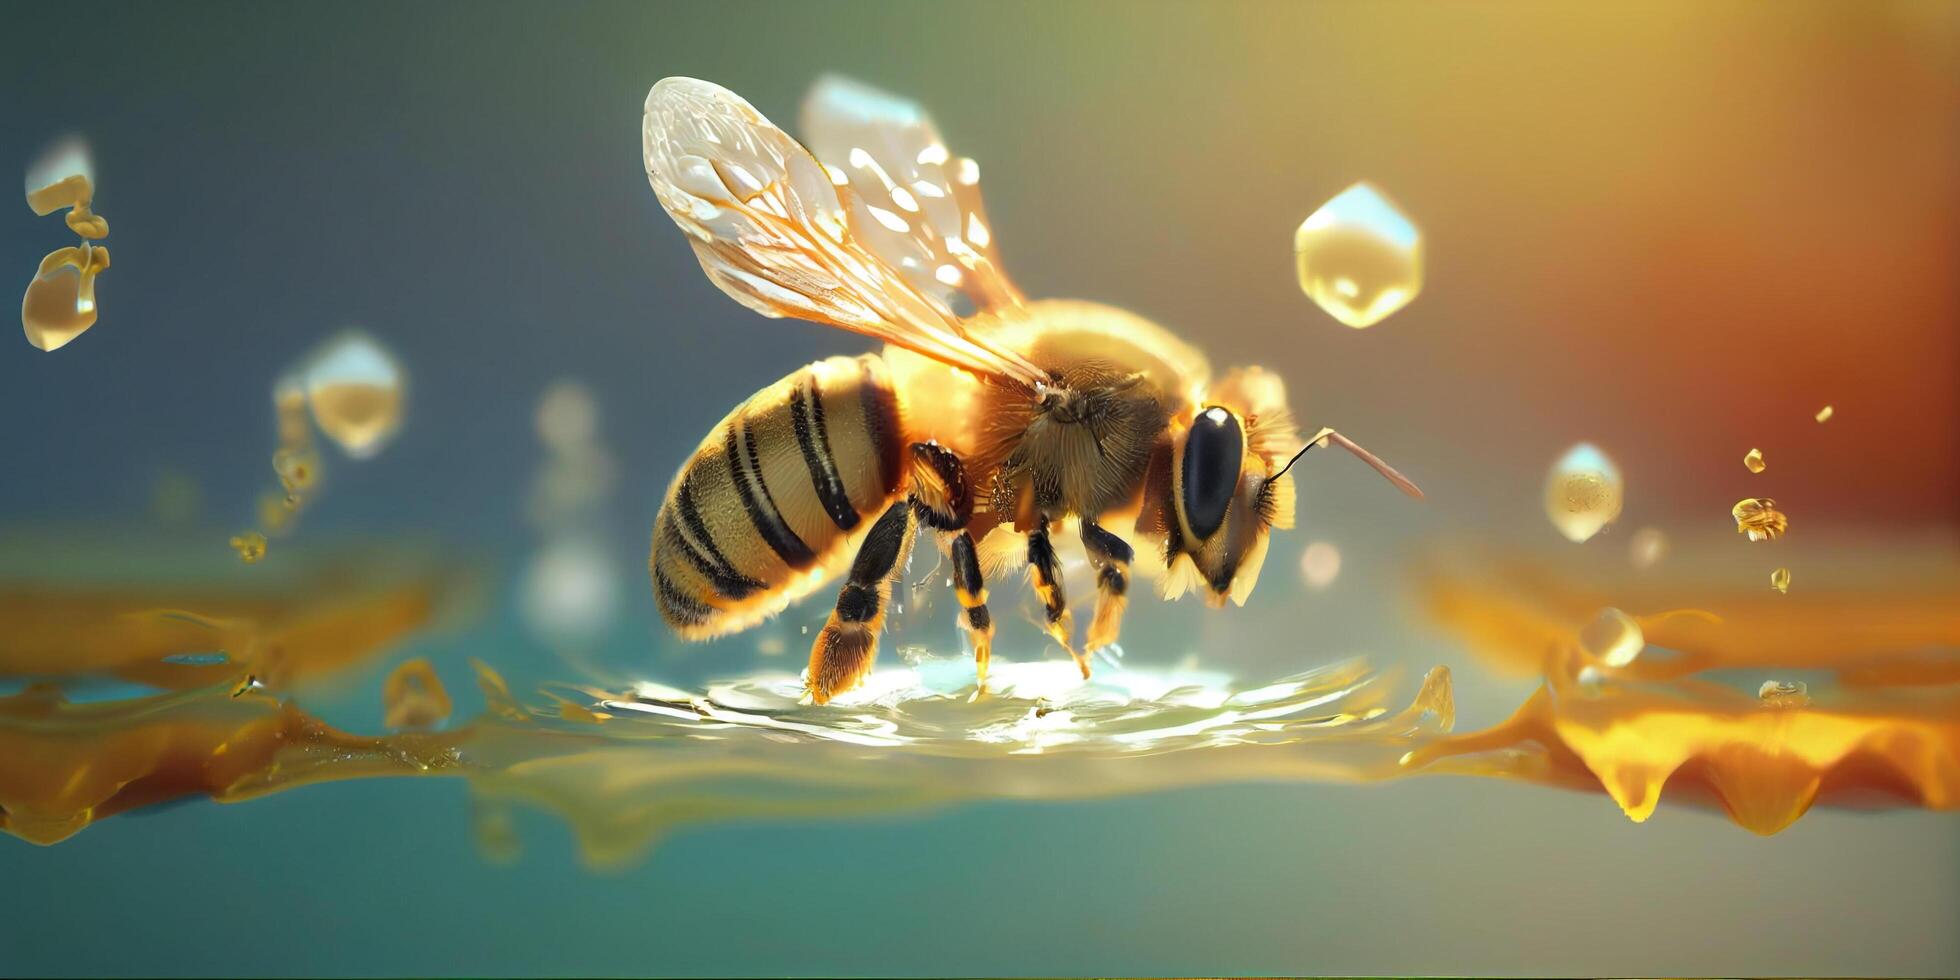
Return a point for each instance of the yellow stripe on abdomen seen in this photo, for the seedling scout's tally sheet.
(771, 504)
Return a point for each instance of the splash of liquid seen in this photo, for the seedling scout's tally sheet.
(59, 304)
(625, 769)
(1887, 730)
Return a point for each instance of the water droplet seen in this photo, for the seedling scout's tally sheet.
(1754, 461)
(1583, 492)
(1824, 414)
(1648, 546)
(1780, 580)
(250, 547)
(1758, 518)
(1359, 258)
(1613, 638)
(354, 387)
(1784, 694)
(1320, 564)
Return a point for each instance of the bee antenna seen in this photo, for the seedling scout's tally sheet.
(1388, 472)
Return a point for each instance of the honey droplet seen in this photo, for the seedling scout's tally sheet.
(59, 304)
(62, 177)
(413, 696)
(1613, 638)
(1784, 694)
(355, 390)
(1648, 546)
(298, 469)
(1824, 414)
(250, 547)
(1583, 492)
(1780, 580)
(1754, 461)
(1359, 258)
(1758, 518)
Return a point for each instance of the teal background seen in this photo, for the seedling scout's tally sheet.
(1648, 225)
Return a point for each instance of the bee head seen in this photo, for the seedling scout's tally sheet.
(1218, 488)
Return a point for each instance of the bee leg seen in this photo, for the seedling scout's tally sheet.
(1047, 569)
(1111, 557)
(977, 623)
(942, 499)
(843, 652)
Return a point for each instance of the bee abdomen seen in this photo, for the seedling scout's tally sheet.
(767, 508)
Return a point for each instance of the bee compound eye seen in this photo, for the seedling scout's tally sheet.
(1209, 468)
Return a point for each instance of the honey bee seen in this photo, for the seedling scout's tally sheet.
(993, 422)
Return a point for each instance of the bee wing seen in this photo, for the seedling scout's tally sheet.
(918, 205)
(774, 232)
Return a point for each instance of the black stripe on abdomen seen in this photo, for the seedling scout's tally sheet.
(806, 415)
(745, 469)
(712, 565)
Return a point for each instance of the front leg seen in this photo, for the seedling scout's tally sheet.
(843, 652)
(1047, 569)
(942, 498)
(1110, 555)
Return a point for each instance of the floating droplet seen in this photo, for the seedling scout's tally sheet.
(1613, 638)
(289, 404)
(1647, 547)
(1583, 492)
(61, 178)
(568, 416)
(250, 547)
(274, 515)
(1754, 461)
(570, 591)
(1784, 694)
(1780, 580)
(355, 390)
(1824, 414)
(1320, 564)
(298, 469)
(1359, 258)
(413, 696)
(1758, 518)
(59, 304)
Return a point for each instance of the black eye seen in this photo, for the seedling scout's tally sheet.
(1212, 454)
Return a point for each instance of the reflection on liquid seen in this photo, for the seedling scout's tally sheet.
(61, 617)
(624, 770)
(1884, 730)
(1877, 722)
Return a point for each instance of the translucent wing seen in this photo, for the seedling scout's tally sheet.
(773, 231)
(918, 205)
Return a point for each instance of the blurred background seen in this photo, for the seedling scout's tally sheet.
(1673, 229)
